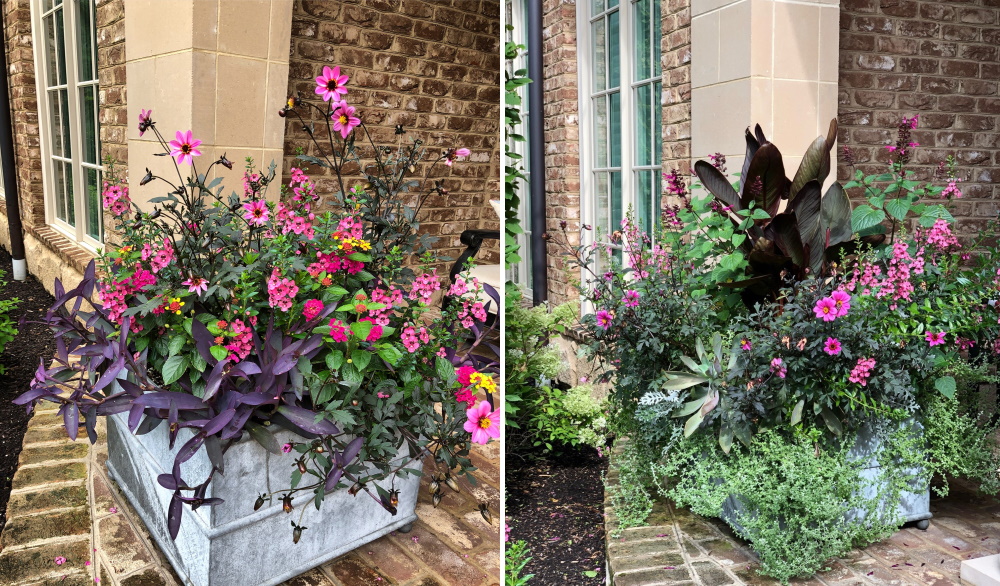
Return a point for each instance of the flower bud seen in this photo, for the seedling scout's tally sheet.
(286, 503)
(260, 503)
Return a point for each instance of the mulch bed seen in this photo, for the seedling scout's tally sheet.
(556, 505)
(21, 360)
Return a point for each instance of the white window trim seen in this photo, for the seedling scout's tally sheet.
(77, 234)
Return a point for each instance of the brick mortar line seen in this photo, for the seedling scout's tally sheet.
(45, 444)
(50, 511)
(51, 576)
(46, 541)
(50, 463)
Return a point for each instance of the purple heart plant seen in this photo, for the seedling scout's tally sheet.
(233, 314)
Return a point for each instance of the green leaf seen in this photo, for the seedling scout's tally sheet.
(683, 381)
(361, 358)
(898, 208)
(361, 329)
(726, 438)
(197, 362)
(797, 412)
(219, 352)
(176, 344)
(334, 360)
(263, 437)
(692, 424)
(174, 368)
(390, 354)
(359, 256)
(946, 386)
(445, 370)
(865, 217)
(832, 422)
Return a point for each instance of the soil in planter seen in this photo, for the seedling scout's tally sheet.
(557, 507)
(20, 358)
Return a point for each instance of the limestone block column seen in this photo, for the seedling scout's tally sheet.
(767, 62)
(216, 67)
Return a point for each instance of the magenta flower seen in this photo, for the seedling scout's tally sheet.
(184, 148)
(344, 119)
(842, 301)
(482, 424)
(778, 367)
(604, 319)
(861, 371)
(832, 346)
(286, 448)
(330, 85)
(826, 309)
(196, 285)
(60, 560)
(144, 120)
(312, 308)
(631, 298)
(451, 154)
(257, 212)
(745, 344)
(338, 330)
(934, 339)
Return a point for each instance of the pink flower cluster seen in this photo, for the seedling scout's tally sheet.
(834, 306)
(159, 258)
(338, 330)
(390, 298)
(862, 371)
(331, 264)
(312, 308)
(631, 298)
(952, 190)
(471, 313)
(116, 198)
(412, 337)
(242, 336)
(940, 237)
(281, 291)
(424, 286)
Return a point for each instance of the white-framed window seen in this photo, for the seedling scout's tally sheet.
(620, 116)
(520, 272)
(65, 38)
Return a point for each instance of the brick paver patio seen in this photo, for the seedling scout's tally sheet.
(63, 505)
(680, 548)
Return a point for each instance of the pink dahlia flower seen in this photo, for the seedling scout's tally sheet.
(184, 148)
(330, 85)
(482, 424)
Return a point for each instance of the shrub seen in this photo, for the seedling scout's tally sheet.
(8, 327)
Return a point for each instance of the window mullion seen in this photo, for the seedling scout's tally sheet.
(73, 97)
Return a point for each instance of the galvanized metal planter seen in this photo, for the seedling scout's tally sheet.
(231, 544)
(913, 506)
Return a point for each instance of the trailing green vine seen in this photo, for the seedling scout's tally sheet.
(514, 166)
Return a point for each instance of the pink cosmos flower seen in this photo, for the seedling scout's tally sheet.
(184, 148)
(842, 301)
(286, 448)
(832, 346)
(451, 154)
(934, 339)
(826, 309)
(196, 284)
(603, 319)
(631, 298)
(330, 85)
(483, 424)
(344, 119)
(312, 308)
(257, 212)
(144, 120)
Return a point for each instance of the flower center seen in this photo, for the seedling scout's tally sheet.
(485, 423)
(331, 85)
(185, 148)
(343, 119)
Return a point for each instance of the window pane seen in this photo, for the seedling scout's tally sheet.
(88, 119)
(616, 200)
(64, 117)
(602, 204)
(614, 73)
(615, 124)
(60, 46)
(643, 40)
(612, 3)
(597, 7)
(657, 123)
(60, 189)
(654, 182)
(85, 29)
(600, 132)
(600, 46)
(644, 121)
(643, 201)
(57, 122)
(49, 49)
(657, 34)
(93, 203)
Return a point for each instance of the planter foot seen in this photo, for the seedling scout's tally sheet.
(409, 527)
(923, 524)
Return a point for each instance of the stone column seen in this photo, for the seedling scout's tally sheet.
(767, 62)
(216, 67)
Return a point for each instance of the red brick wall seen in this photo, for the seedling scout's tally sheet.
(562, 142)
(675, 51)
(936, 59)
(433, 67)
(24, 104)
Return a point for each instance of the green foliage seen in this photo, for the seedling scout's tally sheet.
(798, 499)
(515, 558)
(960, 444)
(567, 418)
(513, 167)
(8, 327)
(630, 494)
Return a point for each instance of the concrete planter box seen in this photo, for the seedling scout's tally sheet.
(913, 506)
(231, 544)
